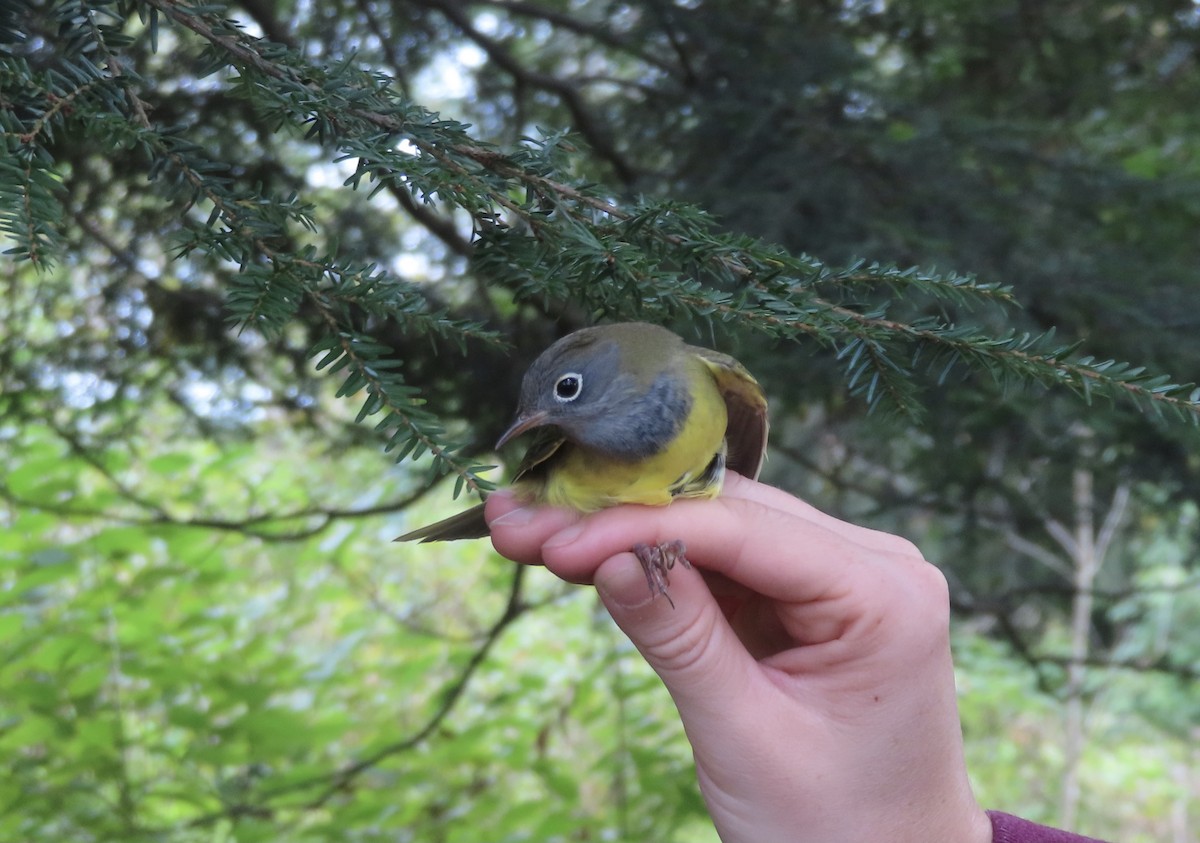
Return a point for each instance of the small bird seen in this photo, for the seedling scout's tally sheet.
(628, 413)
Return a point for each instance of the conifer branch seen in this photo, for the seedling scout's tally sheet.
(539, 236)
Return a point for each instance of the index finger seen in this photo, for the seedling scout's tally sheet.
(774, 552)
(737, 486)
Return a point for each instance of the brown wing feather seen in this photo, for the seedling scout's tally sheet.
(746, 404)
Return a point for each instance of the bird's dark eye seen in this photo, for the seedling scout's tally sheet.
(568, 387)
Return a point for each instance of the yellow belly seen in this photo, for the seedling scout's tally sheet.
(585, 480)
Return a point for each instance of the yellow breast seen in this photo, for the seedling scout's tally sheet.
(586, 480)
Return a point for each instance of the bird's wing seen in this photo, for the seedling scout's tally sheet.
(746, 404)
(546, 442)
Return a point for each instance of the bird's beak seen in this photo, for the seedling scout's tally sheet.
(522, 424)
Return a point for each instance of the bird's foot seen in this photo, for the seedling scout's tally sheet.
(657, 560)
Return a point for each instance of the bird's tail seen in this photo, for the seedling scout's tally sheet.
(465, 525)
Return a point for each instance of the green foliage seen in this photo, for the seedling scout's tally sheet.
(1131, 777)
(175, 681)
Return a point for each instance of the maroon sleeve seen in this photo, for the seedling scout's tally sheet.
(1009, 829)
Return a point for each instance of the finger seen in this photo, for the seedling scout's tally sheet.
(737, 486)
(519, 528)
(771, 551)
(825, 584)
(690, 645)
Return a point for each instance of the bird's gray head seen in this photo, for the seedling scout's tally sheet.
(604, 395)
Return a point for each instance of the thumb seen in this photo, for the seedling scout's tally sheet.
(691, 646)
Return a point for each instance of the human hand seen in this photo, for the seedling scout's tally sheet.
(809, 660)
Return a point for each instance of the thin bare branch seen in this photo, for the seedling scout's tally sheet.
(1038, 553)
(586, 122)
(1112, 520)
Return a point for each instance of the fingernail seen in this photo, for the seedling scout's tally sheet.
(564, 537)
(518, 517)
(624, 585)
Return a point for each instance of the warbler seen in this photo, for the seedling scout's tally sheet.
(628, 413)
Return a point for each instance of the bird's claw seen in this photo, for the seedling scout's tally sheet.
(657, 560)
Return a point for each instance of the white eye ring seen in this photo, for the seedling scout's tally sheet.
(568, 387)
